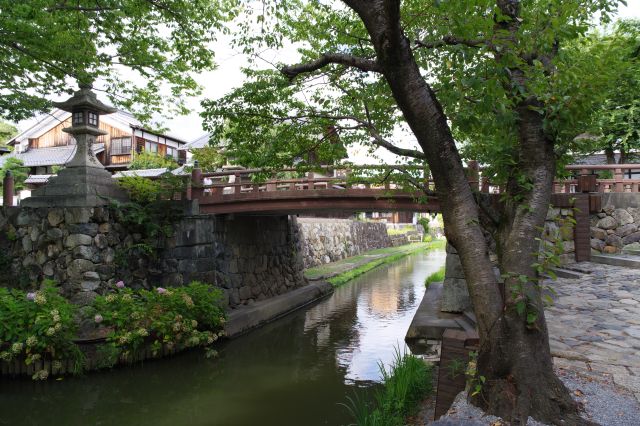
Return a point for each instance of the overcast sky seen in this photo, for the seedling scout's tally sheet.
(228, 75)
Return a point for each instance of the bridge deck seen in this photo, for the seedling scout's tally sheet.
(314, 200)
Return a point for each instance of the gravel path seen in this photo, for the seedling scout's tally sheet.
(603, 403)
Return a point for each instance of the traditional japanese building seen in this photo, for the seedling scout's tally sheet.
(44, 145)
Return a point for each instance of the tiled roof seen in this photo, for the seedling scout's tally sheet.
(199, 142)
(37, 179)
(150, 172)
(54, 156)
(142, 173)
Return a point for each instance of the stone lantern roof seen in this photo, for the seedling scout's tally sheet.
(85, 98)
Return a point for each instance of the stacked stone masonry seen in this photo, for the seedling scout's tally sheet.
(87, 250)
(328, 240)
(614, 230)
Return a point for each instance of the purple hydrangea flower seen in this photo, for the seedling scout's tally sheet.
(120, 284)
(161, 290)
(31, 296)
(98, 318)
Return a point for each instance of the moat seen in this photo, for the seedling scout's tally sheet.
(294, 371)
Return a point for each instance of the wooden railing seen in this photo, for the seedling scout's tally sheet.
(219, 184)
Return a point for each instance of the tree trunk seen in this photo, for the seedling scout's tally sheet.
(514, 358)
(611, 156)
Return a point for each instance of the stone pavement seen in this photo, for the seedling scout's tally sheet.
(594, 324)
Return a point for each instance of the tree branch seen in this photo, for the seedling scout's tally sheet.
(382, 142)
(331, 58)
(450, 40)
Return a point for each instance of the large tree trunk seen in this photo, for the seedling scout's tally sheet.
(514, 357)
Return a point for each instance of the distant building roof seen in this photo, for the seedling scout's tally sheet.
(37, 179)
(54, 156)
(150, 172)
(120, 119)
(199, 142)
(598, 159)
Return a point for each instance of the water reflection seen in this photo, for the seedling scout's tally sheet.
(291, 372)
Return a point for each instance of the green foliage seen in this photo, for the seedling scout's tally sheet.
(17, 169)
(151, 211)
(405, 385)
(182, 317)
(209, 158)
(7, 131)
(614, 57)
(162, 44)
(436, 277)
(38, 326)
(274, 119)
(148, 160)
(425, 223)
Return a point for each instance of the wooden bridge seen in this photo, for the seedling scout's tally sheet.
(236, 191)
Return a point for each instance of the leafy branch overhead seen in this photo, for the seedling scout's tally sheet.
(118, 43)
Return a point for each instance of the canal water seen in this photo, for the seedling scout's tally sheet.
(295, 371)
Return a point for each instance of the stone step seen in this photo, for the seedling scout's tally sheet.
(567, 273)
(616, 261)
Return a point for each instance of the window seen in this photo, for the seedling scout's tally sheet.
(120, 146)
(151, 147)
(93, 119)
(172, 152)
(78, 118)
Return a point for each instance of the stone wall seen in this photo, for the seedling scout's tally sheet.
(558, 226)
(252, 258)
(327, 240)
(615, 229)
(87, 250)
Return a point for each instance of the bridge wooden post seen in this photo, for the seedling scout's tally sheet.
(618, 176)
(474, 174)
(310, 183)
(485, 185)
(7, 189)
(237, 180)
(197, 190)
(582, 230)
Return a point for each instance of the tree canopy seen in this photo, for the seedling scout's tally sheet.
(141, 53)
(614, 57)
(280, 113)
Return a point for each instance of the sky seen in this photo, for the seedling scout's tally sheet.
(228, 75)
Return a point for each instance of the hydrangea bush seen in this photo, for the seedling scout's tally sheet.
(179, 318)
(38, 326)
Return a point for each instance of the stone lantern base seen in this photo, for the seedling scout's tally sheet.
(77, 187)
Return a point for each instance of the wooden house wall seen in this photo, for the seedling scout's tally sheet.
(56, 137)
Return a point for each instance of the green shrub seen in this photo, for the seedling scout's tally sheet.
(38, 326)
(436, 277)
(405, 385)
(150, 160)
(178, 318)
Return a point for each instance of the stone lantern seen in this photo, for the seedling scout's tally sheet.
(83, 182)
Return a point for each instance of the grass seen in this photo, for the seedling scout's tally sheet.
(347, 269)
(347, 276)
(405, 386)
(401, 231)
(436, 277)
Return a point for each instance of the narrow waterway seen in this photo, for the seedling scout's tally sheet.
(294, 371)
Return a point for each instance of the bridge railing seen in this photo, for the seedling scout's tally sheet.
(587, 178)
(235, 182)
